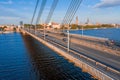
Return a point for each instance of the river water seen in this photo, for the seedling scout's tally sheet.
(24, 58)
(110, 33)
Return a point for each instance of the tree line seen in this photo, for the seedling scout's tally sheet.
(72, 26)
(3, 28)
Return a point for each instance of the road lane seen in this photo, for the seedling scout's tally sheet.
(100, 56)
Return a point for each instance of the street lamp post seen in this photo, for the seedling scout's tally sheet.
(35, 28)
(82, 31)
(29, 27)
(44, 31)
(68, 44)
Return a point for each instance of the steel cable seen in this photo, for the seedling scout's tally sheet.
(72, 16)
(41, 10)
(54, 4)
(35, 11)
(73, 7)
(68, 10)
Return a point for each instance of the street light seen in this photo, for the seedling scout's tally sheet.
(68, 44)
(35, 29)
(82, 31)
(44, 31)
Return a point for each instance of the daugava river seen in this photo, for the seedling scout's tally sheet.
(110, 33)
(24, 58)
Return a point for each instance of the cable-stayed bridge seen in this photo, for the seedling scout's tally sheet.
(98, 60)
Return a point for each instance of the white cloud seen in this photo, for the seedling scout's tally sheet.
(107, 3)
(2, 8)
(9, 18)
(7, 2)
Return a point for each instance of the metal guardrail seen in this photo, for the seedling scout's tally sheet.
(97, 63)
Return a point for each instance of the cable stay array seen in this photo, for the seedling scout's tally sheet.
(71, 11)
(54, 4)
(36, 6)
(68, 17)
(43, 3)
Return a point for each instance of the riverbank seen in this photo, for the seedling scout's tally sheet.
(94, 28)
(91, 26)
(6, 32)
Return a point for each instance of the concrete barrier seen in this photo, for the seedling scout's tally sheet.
(90, 37)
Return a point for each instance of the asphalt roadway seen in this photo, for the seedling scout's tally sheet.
(110, 60)
(103, 57)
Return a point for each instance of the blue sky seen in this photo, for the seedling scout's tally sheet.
(98, 11)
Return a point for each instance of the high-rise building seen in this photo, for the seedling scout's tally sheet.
(21, 23)
(87, 22)
(77, 20)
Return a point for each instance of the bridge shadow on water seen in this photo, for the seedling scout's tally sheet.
(48, 65)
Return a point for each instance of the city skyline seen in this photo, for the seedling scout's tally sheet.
(102, 11)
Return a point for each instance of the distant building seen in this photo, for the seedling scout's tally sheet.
(97, 23)
(77, 20)
(21, 24)
(54, 25)
(87, 22)
(9, 27)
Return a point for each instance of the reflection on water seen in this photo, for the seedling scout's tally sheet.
(27, 59)
(14, 59)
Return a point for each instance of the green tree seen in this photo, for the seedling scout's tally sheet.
(27, 25)
(74, 26)
(5, 27)
(14, 29)
(39, 26)
(1, 28)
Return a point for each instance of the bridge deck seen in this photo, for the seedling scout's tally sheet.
(102, 61)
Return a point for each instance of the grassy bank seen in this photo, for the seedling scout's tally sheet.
(74, 26)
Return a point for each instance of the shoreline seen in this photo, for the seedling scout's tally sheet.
(6, 32)
(92, 37)
(94, 28)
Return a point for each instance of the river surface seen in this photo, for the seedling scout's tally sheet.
(24, 58)
(110, 33)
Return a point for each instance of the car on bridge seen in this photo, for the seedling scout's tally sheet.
(65, 39)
